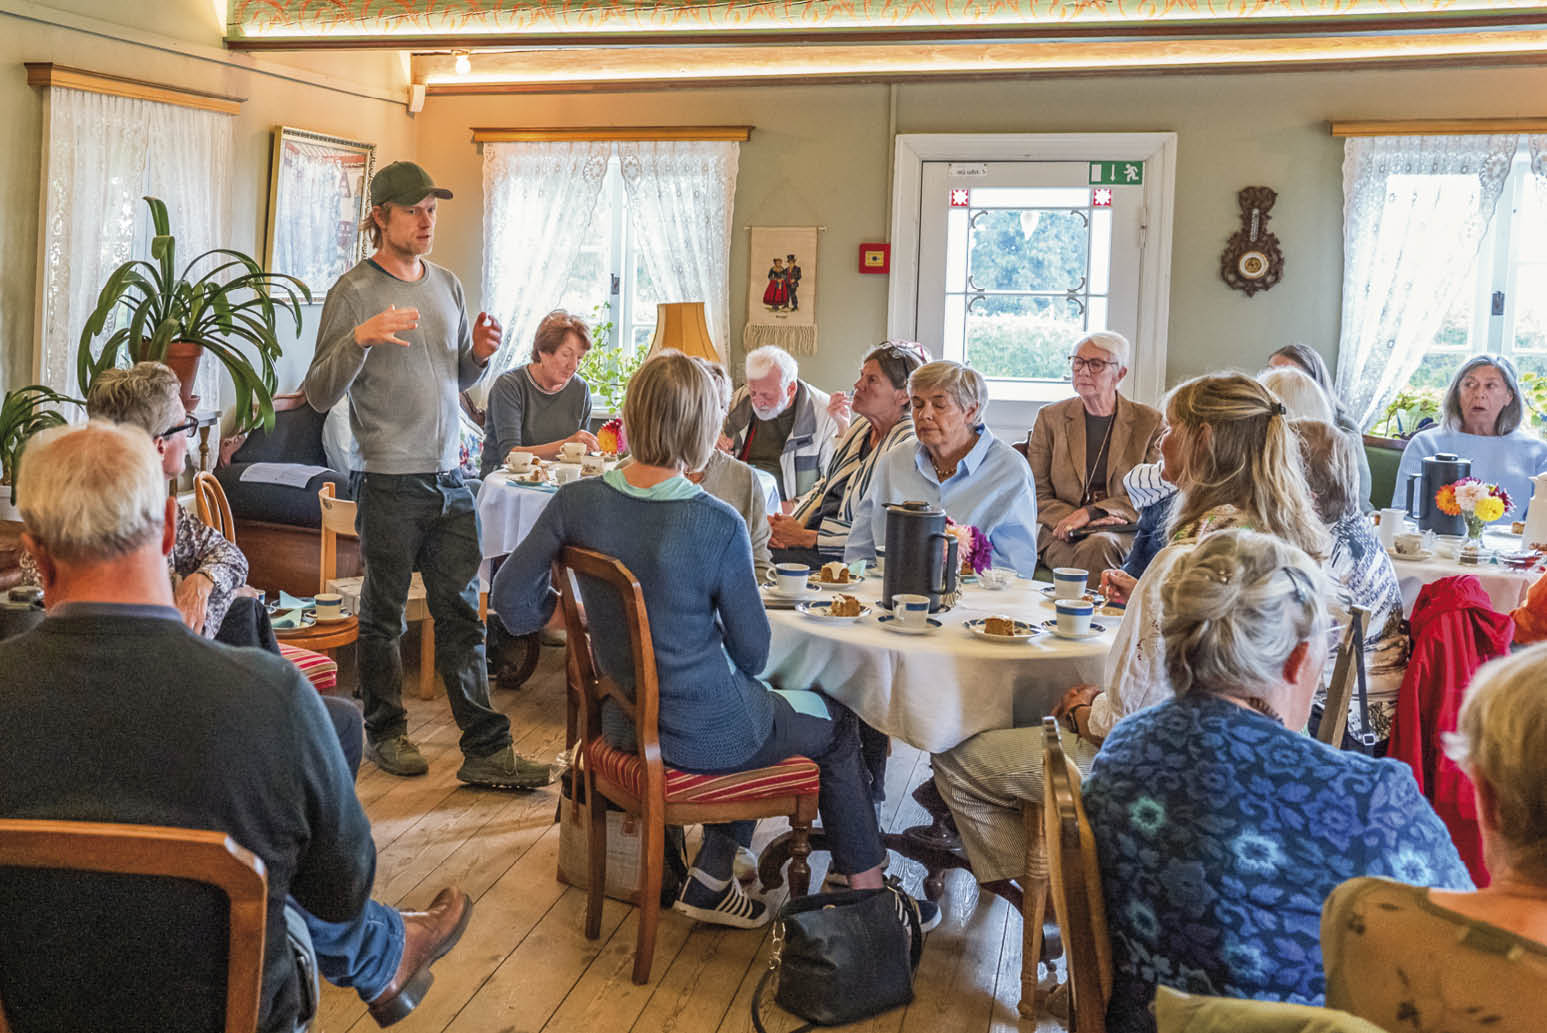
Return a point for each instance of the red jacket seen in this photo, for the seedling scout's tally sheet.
(1455, 631)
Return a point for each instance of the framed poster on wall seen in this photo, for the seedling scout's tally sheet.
(318, 200)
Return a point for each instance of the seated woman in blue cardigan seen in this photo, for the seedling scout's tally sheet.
(693, 559)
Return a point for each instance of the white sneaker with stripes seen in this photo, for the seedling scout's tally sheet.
(720, 902)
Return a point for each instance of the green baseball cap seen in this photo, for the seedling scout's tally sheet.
(404, 183)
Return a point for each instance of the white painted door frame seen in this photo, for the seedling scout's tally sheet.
(1146, 379)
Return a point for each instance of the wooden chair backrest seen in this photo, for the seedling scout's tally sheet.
(643, 707)
(213, 509)
(338, 519)
(1075, 877)
(1334, 717)
(198, 855)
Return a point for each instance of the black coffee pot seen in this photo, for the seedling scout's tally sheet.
(1438, 470)
(921, 558)
(21, 609)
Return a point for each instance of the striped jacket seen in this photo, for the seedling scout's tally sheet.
(807, 450)
(848, 473)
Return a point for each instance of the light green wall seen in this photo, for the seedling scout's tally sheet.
(364, 103)
(821, 155)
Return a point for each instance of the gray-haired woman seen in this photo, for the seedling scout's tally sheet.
(1220, 827)
(1309, 360)
(957, 465)
(1481, 421)
(1474, 961)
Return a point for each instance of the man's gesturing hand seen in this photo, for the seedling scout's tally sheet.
(383, 327)
(486, 337)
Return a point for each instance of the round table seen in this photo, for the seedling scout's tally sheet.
(322, 636)
(507, 510)
(935, 691)
(1505, 587)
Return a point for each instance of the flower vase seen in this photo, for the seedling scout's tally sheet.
(1472, 551)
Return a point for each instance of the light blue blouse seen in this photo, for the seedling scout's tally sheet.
(1510, 461)
(991, 490)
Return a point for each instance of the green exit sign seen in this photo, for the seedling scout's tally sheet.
(1116, 173)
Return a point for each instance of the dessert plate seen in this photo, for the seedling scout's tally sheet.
(1023, 632)
(821, 611)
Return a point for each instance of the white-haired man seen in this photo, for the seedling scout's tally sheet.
(1081, 449)
(162, 727)
(781, 424)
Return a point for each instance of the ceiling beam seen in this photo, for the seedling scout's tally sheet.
(559, 134)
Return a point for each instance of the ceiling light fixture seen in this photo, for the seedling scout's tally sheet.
(464, 62)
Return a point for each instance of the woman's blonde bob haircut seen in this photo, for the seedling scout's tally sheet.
(671, 412)
(1239, 450)
(1500, 739)
(963, 384)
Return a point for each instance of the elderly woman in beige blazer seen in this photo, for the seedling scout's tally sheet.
(1081, 449)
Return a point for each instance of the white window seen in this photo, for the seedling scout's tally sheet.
(1502, 308)
(609, 282)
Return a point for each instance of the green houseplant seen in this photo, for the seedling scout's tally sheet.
(23, 413)
(166, 314)
(606, 367)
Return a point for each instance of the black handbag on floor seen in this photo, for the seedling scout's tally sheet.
(843, 956)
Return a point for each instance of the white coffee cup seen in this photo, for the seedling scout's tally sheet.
(519, 462)
(791, 578)
(1074, 616)
(1068, 582)
(911, 611)
(1392, 523)
(571, 451)
(590, 466)
(563, 473)
(330, 606)
(1409, 543)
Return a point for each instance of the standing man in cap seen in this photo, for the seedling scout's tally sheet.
(394, 336)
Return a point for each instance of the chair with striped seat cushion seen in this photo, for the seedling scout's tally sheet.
(321, 670)
(639, 782)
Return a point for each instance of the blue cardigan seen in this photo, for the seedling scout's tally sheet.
(693, 561)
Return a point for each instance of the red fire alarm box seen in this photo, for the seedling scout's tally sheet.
(875, 258)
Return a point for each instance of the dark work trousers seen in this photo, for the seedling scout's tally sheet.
(424, 522)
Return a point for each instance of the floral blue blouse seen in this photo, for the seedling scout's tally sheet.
(1221, 833)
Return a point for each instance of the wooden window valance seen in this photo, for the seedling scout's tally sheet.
(1441, 127)
(491, 134)
(46, 73)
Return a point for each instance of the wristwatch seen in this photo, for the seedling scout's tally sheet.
(1069, 721)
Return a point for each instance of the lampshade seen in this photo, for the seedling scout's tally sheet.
(681, 325)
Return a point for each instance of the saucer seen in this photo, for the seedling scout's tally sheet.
(1023, 632)
(816, 581)
(777, 600)
(343, 615)
(1094, 598)
(1412, 557)
(1095, 629)
(821, 611)
(891, 623)
(308, 619)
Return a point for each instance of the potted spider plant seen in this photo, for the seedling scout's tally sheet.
(23, 413)
(169, 315)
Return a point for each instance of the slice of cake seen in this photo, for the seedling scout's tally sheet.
(999, 625)
(835, 573)
(843, 606)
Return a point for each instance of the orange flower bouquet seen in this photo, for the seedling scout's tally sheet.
(1477, 503)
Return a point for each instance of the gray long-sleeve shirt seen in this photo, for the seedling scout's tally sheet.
(402, 401)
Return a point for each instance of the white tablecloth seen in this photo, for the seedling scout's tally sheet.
(934, 691)
(506, 513)
(1507, 588)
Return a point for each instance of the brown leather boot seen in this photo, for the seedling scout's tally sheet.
(428, 936)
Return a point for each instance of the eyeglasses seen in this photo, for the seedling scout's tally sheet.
(187, 427)
(1096, 366)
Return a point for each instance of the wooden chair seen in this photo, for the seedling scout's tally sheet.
(1075, 881)
(1334, 717)
(338, 521)
(197, 855)
(213, 509)
(1034, 893)
(640, 782)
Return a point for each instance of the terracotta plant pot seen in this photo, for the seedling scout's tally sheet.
(183, 357)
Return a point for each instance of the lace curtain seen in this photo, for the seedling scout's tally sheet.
(1415, 210)
(538, 199)
(306, 241)
(680, 195)
(99, 167)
